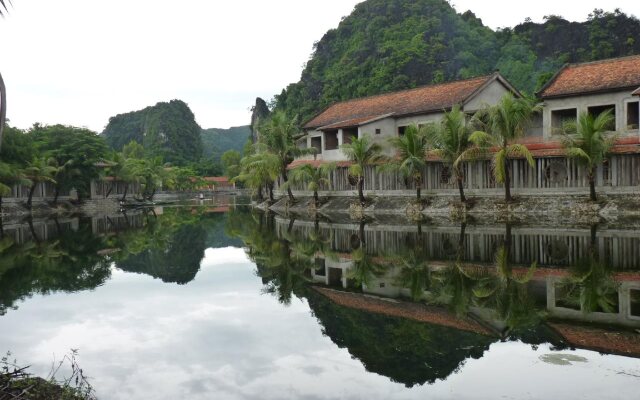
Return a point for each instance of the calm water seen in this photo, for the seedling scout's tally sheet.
(208, 301)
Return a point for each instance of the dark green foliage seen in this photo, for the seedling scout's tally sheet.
(75, 152)
(406, 351)
(216, 141)
(387, 45)
(17, 147)
(166, 130)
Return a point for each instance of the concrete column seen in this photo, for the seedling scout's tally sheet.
(340, 138)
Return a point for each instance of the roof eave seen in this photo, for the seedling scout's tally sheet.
(598, 91)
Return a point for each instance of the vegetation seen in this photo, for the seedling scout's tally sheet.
(586, 140)
(410, 159)
(362, 152)
(503, 123)
(313, 177)
(166, 130)
(451, 143)
(216, 141)
(386, 45)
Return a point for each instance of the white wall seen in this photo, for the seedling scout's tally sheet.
(583, 102)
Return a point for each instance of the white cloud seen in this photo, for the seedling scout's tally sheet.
(79, 62)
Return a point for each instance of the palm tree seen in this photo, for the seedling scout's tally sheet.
(313, 177)
(586, 141)
(410, 157)
(451, 143)
(415, 272)
(361, 152)
(259, 170)
(364, 268)
(40, 170)
(279, 134)
(10, 175)
(505, 122)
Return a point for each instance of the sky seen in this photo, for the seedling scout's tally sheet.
(79, 62)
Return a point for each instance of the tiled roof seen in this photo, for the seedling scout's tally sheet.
(599, 339)
(407, 102)
(221, 179)
(597, 76)
(402, 309)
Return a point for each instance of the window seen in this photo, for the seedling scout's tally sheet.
(331, 140)
(349, 134)
(316, 142)
(401, 130)
(560, 117)
(378, 131)
(634, 300)
(633, 117)
(597, 110)
(320, 267)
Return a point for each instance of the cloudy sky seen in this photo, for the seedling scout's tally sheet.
(79, 62)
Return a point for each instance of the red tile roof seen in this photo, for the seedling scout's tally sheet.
(420, 100)
(599, 339)
(220, 179)
(402, 309)
(597, 76)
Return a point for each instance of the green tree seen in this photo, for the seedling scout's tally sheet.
(314, 177)
(10, 175)
(76, 152)
(587, 142)
(279, 134)
(40, 170)
(260, 170)
(362, 152)
(505, 122)
(231, 163)
(410, 159)
(451, 143)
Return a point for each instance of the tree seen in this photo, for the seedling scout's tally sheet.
(10, 175)
(76, 151)
(410, 157)
(260, 170)
(361, 152)
(450, 142)
(40, 170)
(231, 163)
(313, 177)
(279, 134)
(586, 141)
(504, 123)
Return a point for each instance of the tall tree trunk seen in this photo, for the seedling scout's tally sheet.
(361, 232)
(30, 198)
(418, 187)
(153, 193)
(33, 231)
(260, 196)
(593, 239)
(592, 186)
(285, 179)
(270, 189)
(126, 189)
(56, 194)
(361, 189)
(507, 181)
(316, 200)
(459, 178)
(3, 107)
(106, 196)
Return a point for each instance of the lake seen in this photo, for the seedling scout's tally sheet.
(215, 300)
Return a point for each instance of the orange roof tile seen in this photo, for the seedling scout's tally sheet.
(407, 102)
(597, 76)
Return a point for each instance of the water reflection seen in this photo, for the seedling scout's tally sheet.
(69, 254)
(522, 284)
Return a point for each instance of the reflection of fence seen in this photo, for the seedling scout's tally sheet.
(548, 247)
(621, 170)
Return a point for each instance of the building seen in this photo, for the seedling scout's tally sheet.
(593, 87)
(588, 87)
(387, 115)
(216, 183)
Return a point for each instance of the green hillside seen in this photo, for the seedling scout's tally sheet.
(387, 45)
(168, 130)
(216, 141)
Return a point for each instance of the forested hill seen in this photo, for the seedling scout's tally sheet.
(387, 45)
(168, 130)
(216, 141)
